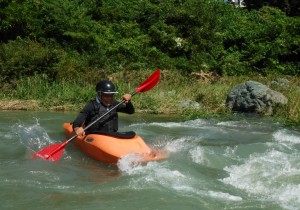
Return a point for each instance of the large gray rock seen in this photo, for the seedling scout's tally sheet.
(255, 97)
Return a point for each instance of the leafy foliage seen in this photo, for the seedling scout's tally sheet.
(87, 40)
(290, 7)
(261, 41)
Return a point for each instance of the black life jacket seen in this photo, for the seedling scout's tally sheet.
(109, 123)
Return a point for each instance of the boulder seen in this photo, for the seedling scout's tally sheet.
(254, 97)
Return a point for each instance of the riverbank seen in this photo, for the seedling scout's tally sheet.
(32, 105)
(193, 96)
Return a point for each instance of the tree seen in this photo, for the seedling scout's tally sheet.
(290, 7)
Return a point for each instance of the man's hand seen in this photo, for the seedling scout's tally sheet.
(127, 98)
(79, 131)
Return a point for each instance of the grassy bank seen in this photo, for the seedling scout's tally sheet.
(191, 96)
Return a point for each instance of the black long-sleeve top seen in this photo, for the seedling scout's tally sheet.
(94, 109)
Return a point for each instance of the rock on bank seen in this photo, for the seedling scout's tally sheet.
(254, 97)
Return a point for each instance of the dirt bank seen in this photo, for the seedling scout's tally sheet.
(19, 105)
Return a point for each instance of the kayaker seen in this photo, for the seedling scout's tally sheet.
(103, 102)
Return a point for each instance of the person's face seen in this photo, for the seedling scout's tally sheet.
(107, 99)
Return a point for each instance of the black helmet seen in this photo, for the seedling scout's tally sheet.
(106, 86)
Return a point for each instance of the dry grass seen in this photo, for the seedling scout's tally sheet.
(19, 105)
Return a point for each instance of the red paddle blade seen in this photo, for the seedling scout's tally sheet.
(149, 83)
(52, 152)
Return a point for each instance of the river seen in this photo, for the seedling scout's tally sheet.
(244, 163)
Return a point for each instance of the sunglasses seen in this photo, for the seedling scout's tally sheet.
(107, 95)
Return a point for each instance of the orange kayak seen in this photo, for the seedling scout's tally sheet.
(109, 149)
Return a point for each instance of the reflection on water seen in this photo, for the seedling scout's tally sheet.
(249, 163)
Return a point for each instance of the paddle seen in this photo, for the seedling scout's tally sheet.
(55, 151)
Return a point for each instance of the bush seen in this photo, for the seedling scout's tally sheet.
(82, 41)
(22, 57)
(260, 41)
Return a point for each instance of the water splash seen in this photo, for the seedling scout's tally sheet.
(198, 155)
(130, 163)
(33, 136)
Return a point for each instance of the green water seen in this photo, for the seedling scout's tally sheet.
(248, 163)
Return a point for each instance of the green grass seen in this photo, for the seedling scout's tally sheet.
(167, 97)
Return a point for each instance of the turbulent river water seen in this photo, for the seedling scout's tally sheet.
(245, 163)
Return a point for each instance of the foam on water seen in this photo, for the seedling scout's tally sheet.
(154, 173)
(191, 124)
(272, 175)
(161, 175)
(284, 136)
(233, 124)
(224, 196)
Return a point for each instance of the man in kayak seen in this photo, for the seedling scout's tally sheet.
(103, 102)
